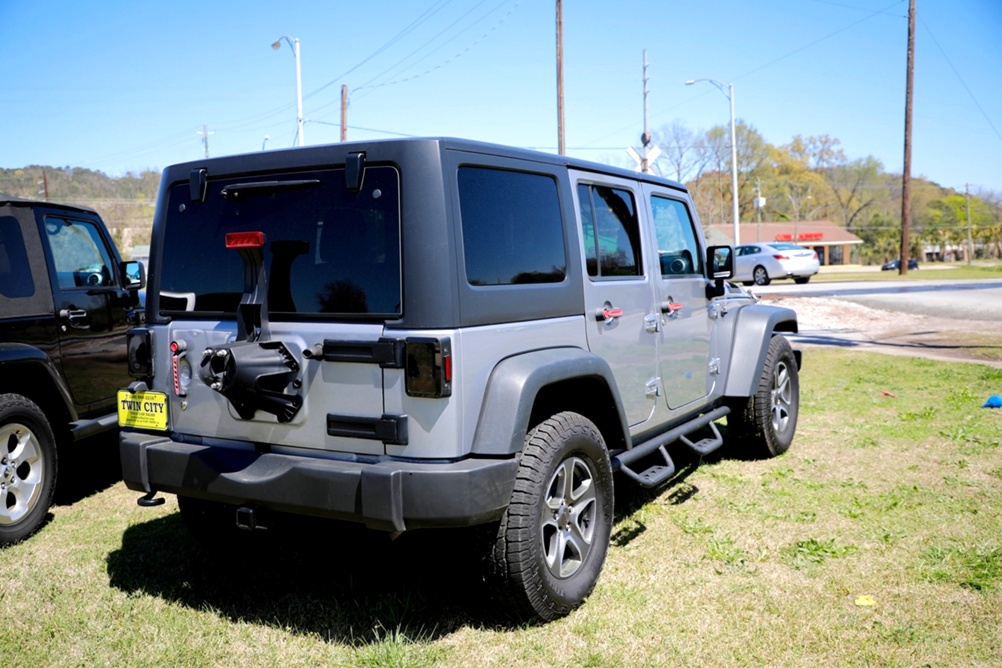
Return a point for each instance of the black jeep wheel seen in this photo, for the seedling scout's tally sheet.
(764, 423)
(27, 467)
(553, 538)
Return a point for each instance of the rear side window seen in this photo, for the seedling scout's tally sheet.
(328, 250)
(15, 270)
(610, 231)
(512, 227)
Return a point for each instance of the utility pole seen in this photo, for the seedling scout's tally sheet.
(344, 112)
(560, 79)
(205, 139)
(645, 138)
(45, 184)
(648, 154)
(970, 244)
(906, 178)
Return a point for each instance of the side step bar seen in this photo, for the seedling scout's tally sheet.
(658, 473)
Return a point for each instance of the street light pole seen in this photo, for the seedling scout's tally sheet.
(294, 43)
(729, 94)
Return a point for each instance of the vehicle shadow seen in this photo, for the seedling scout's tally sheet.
(319, 578)
(87, 468)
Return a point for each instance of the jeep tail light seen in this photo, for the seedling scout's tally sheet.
(139, 343)
(428, 367)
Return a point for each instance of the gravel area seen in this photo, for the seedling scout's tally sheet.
(827, 321)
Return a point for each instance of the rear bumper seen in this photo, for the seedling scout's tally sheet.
(391, 495)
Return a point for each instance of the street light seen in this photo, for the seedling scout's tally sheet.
(729, 94)
(265, 142)
(294, 43)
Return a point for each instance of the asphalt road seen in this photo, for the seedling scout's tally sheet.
(957, 299)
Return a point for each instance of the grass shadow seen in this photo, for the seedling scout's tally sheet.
(333, 581)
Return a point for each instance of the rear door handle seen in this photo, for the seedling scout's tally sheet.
(608, 313)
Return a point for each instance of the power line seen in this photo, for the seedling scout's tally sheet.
(768, 64)
(960, 79)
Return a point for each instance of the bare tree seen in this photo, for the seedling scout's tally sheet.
(682, 150)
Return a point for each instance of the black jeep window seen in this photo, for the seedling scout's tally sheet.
(610, 231)
(512, 227)
(15, 270)
(327, 250)
(79, 254)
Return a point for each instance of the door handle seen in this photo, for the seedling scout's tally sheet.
(76, 318)
(607, 313)
(671, 308)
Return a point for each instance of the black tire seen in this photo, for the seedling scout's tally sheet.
(552, 540)
(763, 425)
(27, 467)
(760, 276)
(800, 280)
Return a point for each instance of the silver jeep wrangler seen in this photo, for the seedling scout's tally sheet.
(441, 333)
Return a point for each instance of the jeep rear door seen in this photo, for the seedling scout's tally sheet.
(622, 324)
(330, 256)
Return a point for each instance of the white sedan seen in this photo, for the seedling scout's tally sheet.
(761, 263)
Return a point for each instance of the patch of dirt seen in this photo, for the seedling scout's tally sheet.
(827, 321)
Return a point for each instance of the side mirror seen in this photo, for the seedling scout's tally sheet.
(720, 260)
(720, 267)
(134, 275)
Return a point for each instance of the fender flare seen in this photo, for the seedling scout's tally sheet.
(514, 385)
(756, 324)
(16, 357)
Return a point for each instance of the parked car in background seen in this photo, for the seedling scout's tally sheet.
(893, 265)
(762, 263)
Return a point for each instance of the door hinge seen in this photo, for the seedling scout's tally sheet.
(714, 366)
(653, 388)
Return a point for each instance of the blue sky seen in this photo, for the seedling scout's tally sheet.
(122, 86)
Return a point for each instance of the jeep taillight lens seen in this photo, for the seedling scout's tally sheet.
(139, 343)
(428, 367)
(245, 240)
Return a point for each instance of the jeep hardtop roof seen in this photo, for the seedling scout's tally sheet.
(293, 158)
(21, 201)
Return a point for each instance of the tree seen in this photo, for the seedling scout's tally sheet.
(683, 151)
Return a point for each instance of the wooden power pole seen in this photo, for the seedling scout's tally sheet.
(344, 112)
(906, 178)
(560, 80)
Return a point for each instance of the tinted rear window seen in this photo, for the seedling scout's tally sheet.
(512, 227)
(328, 250)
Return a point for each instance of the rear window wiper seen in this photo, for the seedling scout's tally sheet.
(266, 187)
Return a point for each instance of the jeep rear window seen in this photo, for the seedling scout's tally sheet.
(512, 227)
(328, 250)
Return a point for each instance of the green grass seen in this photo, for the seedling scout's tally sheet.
(736, 563)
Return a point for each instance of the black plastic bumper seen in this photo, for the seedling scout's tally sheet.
(390, 495)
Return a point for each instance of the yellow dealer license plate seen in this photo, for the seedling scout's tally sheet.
(142, 410)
